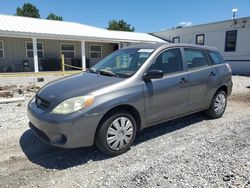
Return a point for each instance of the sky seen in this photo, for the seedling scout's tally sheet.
(144, 15)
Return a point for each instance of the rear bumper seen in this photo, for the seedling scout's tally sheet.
(63, 131)
(230, 87)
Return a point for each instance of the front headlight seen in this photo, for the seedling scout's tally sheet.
(73, 104)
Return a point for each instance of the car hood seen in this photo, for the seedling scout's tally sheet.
(75, 85)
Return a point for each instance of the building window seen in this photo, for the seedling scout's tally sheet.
(1, 49)
(200, 39)
(29, 50)
(230, 42)
(68, 50)
(176, 39)
(95, 51)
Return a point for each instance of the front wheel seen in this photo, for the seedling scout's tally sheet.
(218, 105)
(116, 134)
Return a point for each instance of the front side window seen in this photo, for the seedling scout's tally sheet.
(122, 63)
(230, 42)
(168, 61)
(29, 50)
(68, 50)
(1, 49)
(176, 39)
(95, 51)
(216, 57)
(200, 39)
(195, 58)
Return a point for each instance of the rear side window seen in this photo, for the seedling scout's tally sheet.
(168, 61)
(195, 58)
(216, 57)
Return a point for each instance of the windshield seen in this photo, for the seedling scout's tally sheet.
(122, 63)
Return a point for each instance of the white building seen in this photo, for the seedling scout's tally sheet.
(31, 44)
(231, 37)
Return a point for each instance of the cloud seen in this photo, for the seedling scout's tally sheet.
(185, 24)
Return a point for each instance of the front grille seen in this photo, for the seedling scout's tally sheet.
(41, 103)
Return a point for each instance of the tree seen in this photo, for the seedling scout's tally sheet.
(28, 10)
(120, 25)
(52, 16)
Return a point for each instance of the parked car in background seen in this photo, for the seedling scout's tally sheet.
(129, 90)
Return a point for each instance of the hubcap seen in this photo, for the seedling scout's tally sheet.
(220, 103)
(119, 133)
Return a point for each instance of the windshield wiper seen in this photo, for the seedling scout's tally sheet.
(107, 73)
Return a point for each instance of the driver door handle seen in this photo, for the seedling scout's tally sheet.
(212, 74)
(183, 81)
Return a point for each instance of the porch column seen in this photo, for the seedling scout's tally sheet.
(83, 55)
(35, 56)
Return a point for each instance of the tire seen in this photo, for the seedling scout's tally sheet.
(116, 133)
(218, 105)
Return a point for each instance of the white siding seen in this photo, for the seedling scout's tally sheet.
(215, 34)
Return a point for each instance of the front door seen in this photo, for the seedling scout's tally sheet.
(166, 97)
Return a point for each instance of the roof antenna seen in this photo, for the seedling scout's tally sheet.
(234, 15)
(241, 23)
(235, 22)
(234, 12)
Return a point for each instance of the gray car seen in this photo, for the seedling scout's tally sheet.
(129, 90)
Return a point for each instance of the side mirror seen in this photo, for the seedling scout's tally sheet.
(152, 74)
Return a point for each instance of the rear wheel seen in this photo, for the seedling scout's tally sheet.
(117, 133)
(218, 105)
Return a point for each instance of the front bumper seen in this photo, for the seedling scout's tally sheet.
(65, 131)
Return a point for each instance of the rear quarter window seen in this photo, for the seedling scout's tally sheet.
(216, 58)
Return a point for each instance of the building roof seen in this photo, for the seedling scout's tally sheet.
(203, 25)
(41, 28)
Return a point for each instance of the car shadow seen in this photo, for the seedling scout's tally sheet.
(51, 157)
(168, 127)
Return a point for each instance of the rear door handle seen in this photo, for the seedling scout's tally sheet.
(212, 74)
(183, 81)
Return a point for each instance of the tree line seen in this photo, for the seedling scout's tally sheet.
(29, 10)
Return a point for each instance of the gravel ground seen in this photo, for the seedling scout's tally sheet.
(193, 151)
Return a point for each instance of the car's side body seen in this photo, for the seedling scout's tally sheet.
(164, 99)
(151, 102)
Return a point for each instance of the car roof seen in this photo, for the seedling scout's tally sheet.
(169, 45)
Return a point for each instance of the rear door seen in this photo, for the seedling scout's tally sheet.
(201, 78)
(166, 97)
